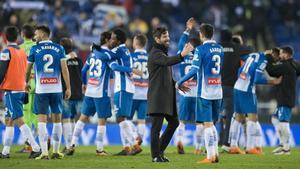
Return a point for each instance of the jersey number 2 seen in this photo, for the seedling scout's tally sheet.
(49, 59)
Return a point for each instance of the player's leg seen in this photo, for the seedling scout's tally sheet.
(216, 109)
(284, 116)
(88, 109)
(183, 117)
(237, 123)
(253, 135)
(141, 117)
(206, 116)
(275, 122)
(103, 109)
(67, 125)
(56, 106)
(123, 104)
(8, 136)
(16, 106)
(141, 126)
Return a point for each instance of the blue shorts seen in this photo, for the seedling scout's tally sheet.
(244, 102)
(139, 106)
(46, 103)
(92, 105)
(187, 108)
(70, 109)
(123, 103)
(14, 104)
(283, 113)
(208, 110)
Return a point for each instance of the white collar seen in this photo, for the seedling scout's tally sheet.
(104, 47)
(122, 45)
(140, 50)
(46, 41)
(209, 41)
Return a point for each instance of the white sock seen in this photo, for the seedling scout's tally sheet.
(284, 129)
(124, 132)
(199, 136)
(251, 133)
(235, 133)
(209, 142)
(67, 130)
(275, 123)
(132, 132)
(43, 137)
(141, 128)
(216, 139)
(56, 136)
(77, 132)
(180, 132)
(26, 132)
(101, 130)
(259, 136)
(8, 139)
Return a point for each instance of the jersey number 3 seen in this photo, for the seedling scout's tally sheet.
(217, 67)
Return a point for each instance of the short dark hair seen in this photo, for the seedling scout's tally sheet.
(28, 31)
(104, 36)
(44, 29)
(67, 44)
(207, 30)
(142, 39)
(195, 42)
(121, 35)
(288, 49)
(226, 35)
(276, 50)
(158, 32)
(11, 33)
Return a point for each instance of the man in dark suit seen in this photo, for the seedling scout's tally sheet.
(161, 93)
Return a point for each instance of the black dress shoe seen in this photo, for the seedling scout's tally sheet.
(164, 158)
(158, 160)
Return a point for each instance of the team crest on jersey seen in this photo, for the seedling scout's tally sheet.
(48, 80)
(93, 81)
(214, 81)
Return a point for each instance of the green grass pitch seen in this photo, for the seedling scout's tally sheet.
(85, 158)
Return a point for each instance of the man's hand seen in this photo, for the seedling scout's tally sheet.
(276, 81)
(137, 72)
(67, 94)
(182, 88)
(190, 24)
(27, 88)
(83, 88)
(268, 52)
(187, 49)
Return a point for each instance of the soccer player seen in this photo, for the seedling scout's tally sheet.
(250, 74)
(97, 94)
(123, 91)
(50, 63)
(187, 101)
(206, 64)
(70, 106)
(12, 80)
(139, 105)
(30, 118)
(285, 95)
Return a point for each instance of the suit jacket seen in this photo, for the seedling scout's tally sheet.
(161, 93)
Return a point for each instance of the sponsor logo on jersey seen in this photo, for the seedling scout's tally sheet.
(214, 81)
(191, 83)
(141, 83)
(93, 81)
(48, 80)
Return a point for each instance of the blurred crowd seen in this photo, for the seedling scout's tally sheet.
(85, 19)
